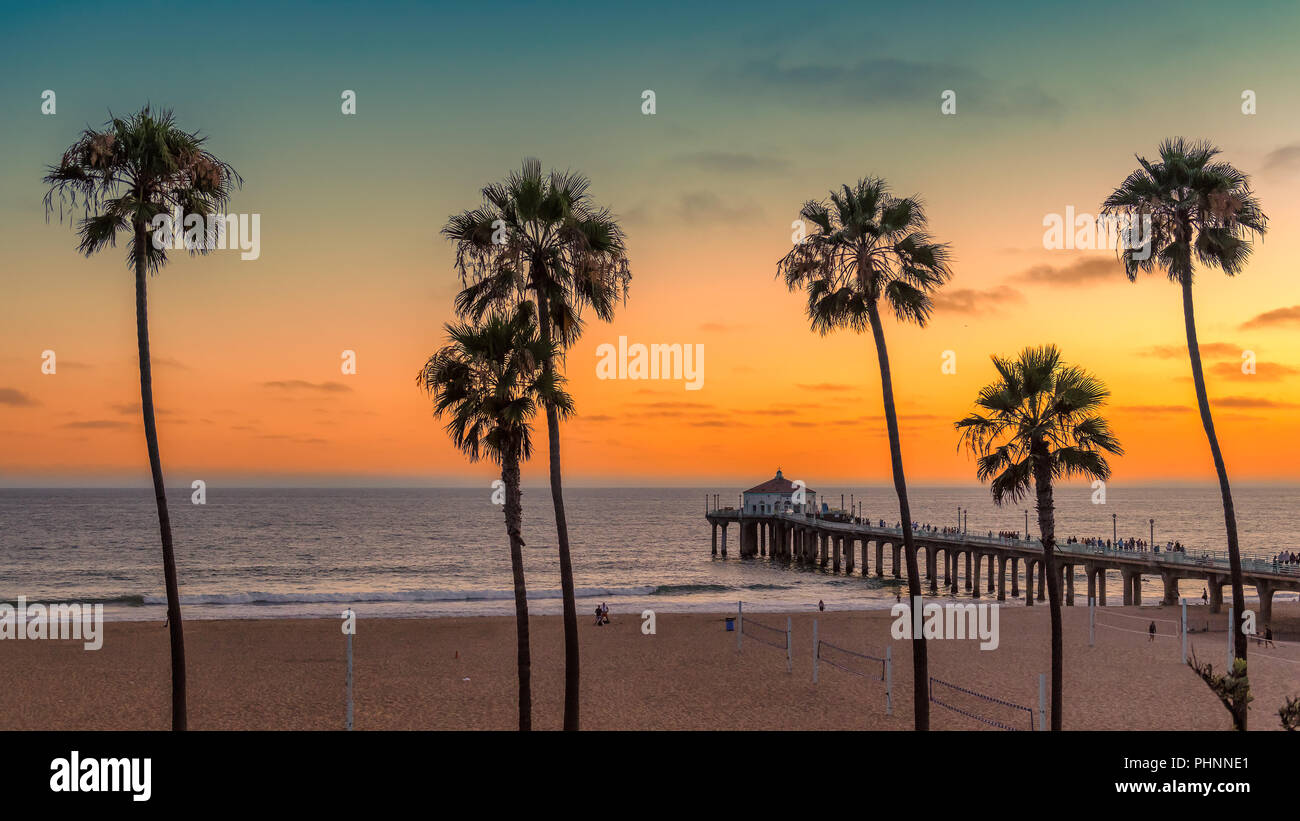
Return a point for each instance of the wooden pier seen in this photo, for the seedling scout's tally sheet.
(832, 542)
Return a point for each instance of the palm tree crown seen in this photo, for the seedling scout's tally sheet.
(541, 233)
(134, 169)
(866, 244)
(1198, 209)
(488, 382)
(1038, 407)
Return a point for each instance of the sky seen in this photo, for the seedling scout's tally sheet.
(759, 107)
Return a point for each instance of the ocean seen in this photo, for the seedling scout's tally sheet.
(279, 553)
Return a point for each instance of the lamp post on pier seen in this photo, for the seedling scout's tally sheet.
(1114, 528)
(1153, 533)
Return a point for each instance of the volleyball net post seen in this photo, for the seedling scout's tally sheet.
(789, 645)
(1184, 630)
(816, 651)
(740, 623)
(889, 681)
(1042, 701)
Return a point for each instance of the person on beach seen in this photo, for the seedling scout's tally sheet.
(821, 605)
(1151, 632)
(1205, 595)
(604, 612)
(1268, 636)
(600, 617)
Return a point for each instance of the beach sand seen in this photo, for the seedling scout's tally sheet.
(459, 673)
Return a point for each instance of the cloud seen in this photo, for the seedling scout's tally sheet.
(168, 362)
(1277, 316)
(15, 398)
(133, 409)
(297, 440)
(973, 301)
(303, 385)
(733, 162)
(892, 81)
(1250, 402)
(705, 206)
(827, 386)
(1264, 371)
(1206, 348)
(98, 424)
(1283, 160)
(1080, 272)
(1152, 408)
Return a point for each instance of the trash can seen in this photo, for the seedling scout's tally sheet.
(731, 624)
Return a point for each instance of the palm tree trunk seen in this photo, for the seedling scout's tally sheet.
(571, 655)
(514, 526)
(1047, 530)
(920, 660)
(177, 634)
(1229, 513)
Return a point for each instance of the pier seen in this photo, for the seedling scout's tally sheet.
(837, 541)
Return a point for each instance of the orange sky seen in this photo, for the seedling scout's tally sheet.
(247, 353)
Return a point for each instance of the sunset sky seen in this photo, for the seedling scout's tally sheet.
(760, 107)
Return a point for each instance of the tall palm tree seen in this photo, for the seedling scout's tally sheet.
(488, 381)
(1037, 423)
(1203, 210)
(541, 237)
(121, 177)
(868, 245)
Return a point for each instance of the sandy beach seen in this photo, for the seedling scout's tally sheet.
(458, 674)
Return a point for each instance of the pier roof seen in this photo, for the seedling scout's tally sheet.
(777, 484)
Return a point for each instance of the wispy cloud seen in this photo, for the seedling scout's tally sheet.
(733, 162)
(303, 385)
(1264, 371)
(974, 301)
(706, 206)
(98, 424)
(1250, 402)
(1080, 272)
(1273, 318)
(827, 386)
(1206, 349)
(1284, 159)
(15, 398)
(892, 81)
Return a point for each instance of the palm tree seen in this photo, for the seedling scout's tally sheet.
(1037, 423)
(541, 237)
(488, 381)
(1204, 210)
(135, 169)
(869, 245)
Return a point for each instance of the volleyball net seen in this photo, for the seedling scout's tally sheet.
(863, 665)
(994, 712)
(762, 633)
(1125, 623)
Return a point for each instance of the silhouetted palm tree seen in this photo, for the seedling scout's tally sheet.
(540, 236)
(1037, 423)
(135, 169)
(868, 246)
(1203, 210)
(488, 381)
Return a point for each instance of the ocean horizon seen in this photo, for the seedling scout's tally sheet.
(435, 552)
